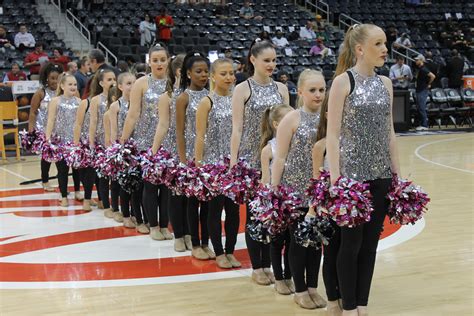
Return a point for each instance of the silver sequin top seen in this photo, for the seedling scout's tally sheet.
(190, 127)
(121, 115)
(299, 162)
(86, 123)
(273, 145)
(365, 131)
(261, 97)
(65, 118)
(42, 116)
(219, 129)
(169, 143)
(146, 125)
(100, 131)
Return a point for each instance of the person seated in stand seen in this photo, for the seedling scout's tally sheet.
(34, 60)
(60, 58)
(279, 40)
(284, 78)
(403, 40)
(23, 39)
(15, 74)
(6, 41)
(319, 49)
(400, 74)
(307, 32)
(246, 12)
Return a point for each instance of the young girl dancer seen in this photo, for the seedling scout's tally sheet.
(213, 131)
(117, 113)
(271, 119)
(39, 110)
(101, 83)
(249, 101)
(61, 113)
(194, 77)
(142, 119)
(176, 203)
(361, 145)
(296, 135)
(330, 251)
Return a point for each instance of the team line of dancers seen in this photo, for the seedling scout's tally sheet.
(348, 131)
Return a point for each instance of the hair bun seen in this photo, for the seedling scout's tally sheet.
(157, 45)
(258, 39)
(197, 54)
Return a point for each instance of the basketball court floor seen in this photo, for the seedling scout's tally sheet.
(72, 262)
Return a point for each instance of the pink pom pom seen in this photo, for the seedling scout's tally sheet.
(275, 208)
(173, 178)
(32, 141)
(318, 191)
(241, 182)
(155, 167)
(348, 203)
(118, 158)
(407, 202)
(78, 156)
(205, 181)
(52, 150)
(98, 163)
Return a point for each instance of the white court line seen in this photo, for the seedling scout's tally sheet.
(417, 153)
(19, 176)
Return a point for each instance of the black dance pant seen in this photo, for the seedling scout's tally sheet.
(197, 218)
(137, 207)
(304, 261)
(87, 178)
(279, 244)
(357, 252)
(177, 210)
(125, 201)
(231, 224)
(259, 252)
(97, 186)
(103, 190)
(114, 195)
(45, 166)
(156, 199)
(63, 174)
(330, 252)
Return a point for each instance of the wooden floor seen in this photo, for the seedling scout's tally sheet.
(429, 274)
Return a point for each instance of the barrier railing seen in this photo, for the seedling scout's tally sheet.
(108, 53)
(346, 21)
(320, 7)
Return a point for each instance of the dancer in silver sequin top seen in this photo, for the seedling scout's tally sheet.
(361, 145)
(190, 129)
(65, 117)
(42, 117)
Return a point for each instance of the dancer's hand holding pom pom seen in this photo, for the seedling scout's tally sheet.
(78, 156)
(313, 231)
(32, 141)
(52, 149)
(241, 182)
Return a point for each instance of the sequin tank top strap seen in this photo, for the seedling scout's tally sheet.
(219, 129)
(86, 122)
(102, 108)
(365, 130)
(299, 165)
(42, 117)
(122, 115)
(65, 118)
(169, 143)
(146, 126)
(190, 131)
(273, 144)
(261, 97)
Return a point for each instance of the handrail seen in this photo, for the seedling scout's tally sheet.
(342, 21)
(107, 52)
(319, 6)
(58, 5)
(81, 29)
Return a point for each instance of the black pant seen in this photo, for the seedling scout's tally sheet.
(87, 178)
(97, 186)
(63, 171)
(137, 207)
(197, 218)
(330, 252)
(259, 252)
(231, 224)
(278, 244)
(45, 166)
(104, 188)
(356, 257)
(304, 261)
(125, 200)
(114, 195)
(76, 178)
(155, 199)
(177, 210)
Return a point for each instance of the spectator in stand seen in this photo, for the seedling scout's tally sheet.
(228, 53)
(434, 68)
(241, 72)
(15, 74)
(402, 42)
(246, 12)
(71, 68)
(23, 39)
(279, 40)
(319, 49)
(147, 31)
(222, 10)
(6, 41)
(34, 61)
(81, 74)
(284, 78)
(322, 33)
(455, 69)
(264, 36)
(122, 65)
(319, 21)
(459, 42)
(391, 35)
(424, 78)
(97, 62)
(307, 32)
(164, 23)
(60, 58)
(400, 74)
